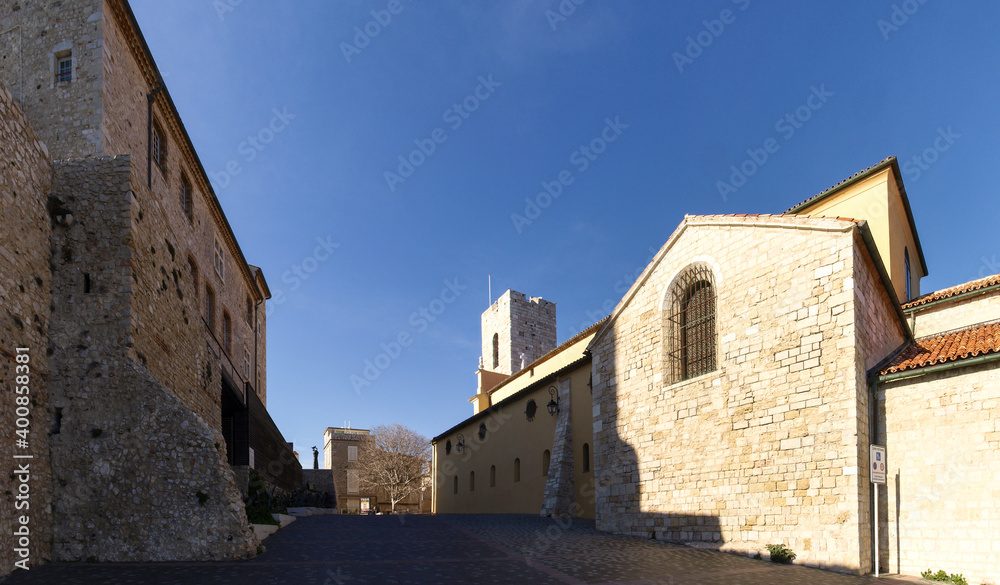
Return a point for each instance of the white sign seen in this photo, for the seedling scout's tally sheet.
(877, 458)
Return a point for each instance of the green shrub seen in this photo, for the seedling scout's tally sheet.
(261, 515)
(780, 554)
(942, 576)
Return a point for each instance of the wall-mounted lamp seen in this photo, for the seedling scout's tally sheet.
(460, 443)
(553, 404)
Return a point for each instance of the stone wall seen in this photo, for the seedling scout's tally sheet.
(943, 455)
(878, 334)
(522, 325)
(141, 476)
(764, 449)
(25, 285)
(66, 115)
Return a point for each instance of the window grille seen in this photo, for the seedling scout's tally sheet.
(690, 325)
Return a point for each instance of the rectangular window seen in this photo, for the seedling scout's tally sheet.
(352, 481)
(352, 453)
(249, 312)
(210, 307)
(64, 67)
(246, 363)
(158, 148)
(187, 198)
(220, 261)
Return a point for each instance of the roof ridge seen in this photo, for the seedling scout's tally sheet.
(855, 176)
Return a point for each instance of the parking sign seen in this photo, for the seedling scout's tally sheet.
(877, 458)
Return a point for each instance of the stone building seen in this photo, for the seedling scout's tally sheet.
(145, 323)
(738, 385)
(342, 448)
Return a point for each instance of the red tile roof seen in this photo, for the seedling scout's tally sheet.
(946, 293)
(948, 347)
(883, 163)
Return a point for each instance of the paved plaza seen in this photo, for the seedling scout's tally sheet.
(436, 550)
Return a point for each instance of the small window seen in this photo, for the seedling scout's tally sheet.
(906, 267)
(227, 332)
(187, 198)
(517, 470)
(530, 409)
(220, 261)
(210, 307)
(64, 67)
(246, 363)
(249, 312)
(496, 351)
(586, 457)
(472, 481)
(493, 476)
(352, 481)
(455, 484)
(447, 447)
(352, 453)
(546, 459)
(194, 276)
(482, 431)
(158, 147)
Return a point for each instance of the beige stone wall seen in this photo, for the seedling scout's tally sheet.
(955, 314)
(523, 325)
(879, 332)
(943, 451)
(765, 448)
(66, 115)
(25, 287)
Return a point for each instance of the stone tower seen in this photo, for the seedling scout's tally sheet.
(517, 330)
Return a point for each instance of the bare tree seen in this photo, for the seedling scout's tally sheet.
(393, 460)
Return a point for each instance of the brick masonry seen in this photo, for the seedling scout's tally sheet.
(25, 287)
(127, 446)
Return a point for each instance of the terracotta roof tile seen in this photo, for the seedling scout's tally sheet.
(946, 293)
(948, 347)
(851, 178)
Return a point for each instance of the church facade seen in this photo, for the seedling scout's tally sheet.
(736, 389)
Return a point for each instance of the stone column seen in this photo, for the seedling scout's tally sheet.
(559, 488)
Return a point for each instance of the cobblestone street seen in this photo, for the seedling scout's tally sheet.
(435, 550)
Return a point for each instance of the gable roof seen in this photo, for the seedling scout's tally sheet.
(959, 290)
(741, 220)
(947, 347)
(886, 163)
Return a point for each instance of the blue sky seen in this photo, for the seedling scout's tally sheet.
(415, 154)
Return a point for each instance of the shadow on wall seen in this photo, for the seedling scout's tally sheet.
(623, 507)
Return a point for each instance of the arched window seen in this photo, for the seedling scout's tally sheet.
(690, 324)
(546, 458)
(482, 431)
(517, 470)
(496, 351)
(472, 481)
(493, 476)
(586, 457)
(906, 266)
(456, 484)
